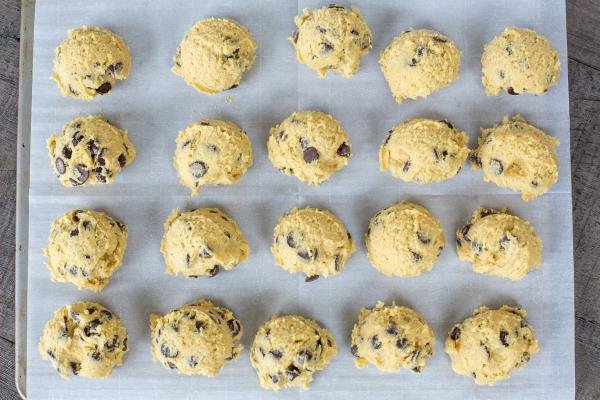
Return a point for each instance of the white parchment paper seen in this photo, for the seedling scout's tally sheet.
(153, 105)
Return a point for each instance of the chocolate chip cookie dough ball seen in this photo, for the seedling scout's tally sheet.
(404, 239)
(331, 38)
(424, 151)
(518, 156)
(196, 339)
(84, 339)
(90, 61)
(312, 241)
(88, 151)
(519, 61)
(214, 54)
(418, 63)
(309, 145)
(491, 344)
(85, 248)
(202, 242)
(499, 244)
(288, 350)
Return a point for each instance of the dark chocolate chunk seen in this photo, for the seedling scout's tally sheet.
(234, 326)
(292, 372)
(401, 343)
(200, 326)
(75, 367)
(122, 160)
(291, 241)
(376, 343)
(422, 236)
(325, 47)
(392, 329)
(198, 169)
(511, 91)
(354, 350)
(167, 351)
(504, 337)
(214, 271)
(104, 88)
(406, 166)
(496, 166)
(416, 257)
(310, 155)
(60, 166)
(276, 354)
(303, 356)
(344, 150)
(455, 334)
(192, 361)
(311, 278)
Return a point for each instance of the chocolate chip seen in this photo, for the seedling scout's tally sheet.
(212, 148)
(104, 88)
(205, 252)
(101, 178)
(96, 356)
(274, 378)
(60, 165)
(122, 160)
(478, 247)
(214, 271)
(310, 155)
(175, 327)
(50, 353)
(464, 231)
(511, 91)
(475, 159)
(292, 372)
(167, 351)
(416, 257)
(304, 254)
(496, 166)
(86, 225)
(116, 67)
(354, 32)
(392, 329)
(295, 36)
(422, 236)
(439, 39)
(504, 337)
(200, 326)
(192, 361)
(187, 260)
(485, 348)
(107, 314)
(417, 369)
(455, 334)
(198, 169)
(303, 356)
(534, 183)
(413, 63)
(504, 242)
(276, 354)
(406, 166)
(75, 367)
(354, 350)
(448, 124)
(401, 343)
(91, 309)
(343, 150)
(501, 74)
(291, 241)
(76, 138)
(376, 343)
(311, 278)
(171, 365)
(73, 270)
(67, 152)
(101, 161)
(73, 91)
(113, 344)
(321, 30)
(234, 326)
(485, 212)
(125, 344)
(325, 47)
(83, 173)
(337, 262)
(185, 144)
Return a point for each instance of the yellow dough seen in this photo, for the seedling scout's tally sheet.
(84, 339)
(519, 61)
(424, 151)
(214, 54)
(518, 156)
(391, 338)
(331, 38)
(85, 248)
(491, 344)
(288, 350)
(90, 61)
(311, 241)
(404, 239)
(211, 152)
(88, 151)
(309, 145)
(196, 339)
(202, 242)
(418, 63)
(499, 244)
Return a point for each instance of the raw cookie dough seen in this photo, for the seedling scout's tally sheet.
(88, 151)
(499, 244)
(202, 242)
(214, 54)
(288, 350)
(424, 151)
(519, 61)
(418, 63)
(309, 145)
(491, 344)
(331, 38)
(85, 248)
(211, 152)
(196, 339)
(84, 339)
(90, 61)
(311, 241)
(391, 338)
(518, 156)
(404, 239)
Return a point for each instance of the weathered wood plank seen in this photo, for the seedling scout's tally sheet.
(7, 371)
(583, 40)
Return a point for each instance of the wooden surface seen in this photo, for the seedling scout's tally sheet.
(583, 26)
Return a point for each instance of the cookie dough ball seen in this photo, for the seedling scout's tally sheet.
(311, 241)
(391, 338)
(288, 350)
(196, 339)
(519, 61)
(499, 244)
(418, 63)
(424, 151)
(518, 156)
(85, 248)
(404, 239)
(331, 38)
(88, 151)
(84, 339)
(214, 54)
(211, 152)
(491, 344)
(202, 242)
(90, 61)
(309, 145)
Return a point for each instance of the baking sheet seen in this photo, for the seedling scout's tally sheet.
(153, 105)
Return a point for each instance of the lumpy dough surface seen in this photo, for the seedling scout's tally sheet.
(499, 244)
(404, 239)
(84, 339)
(85, 248)
(211, 152)
(418, 63)
(90, 61)
(424, 151)
(214, 54)
(196, 339)
(312, 241)
(331, 38)
(519, 61)
(518, 156)
(390, 338)
(202, 242)
(309, 145)
(288, 350)
(491, 344)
